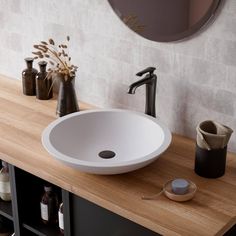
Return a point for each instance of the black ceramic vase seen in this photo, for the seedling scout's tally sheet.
(67, 101)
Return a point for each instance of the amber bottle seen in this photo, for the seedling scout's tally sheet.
(44, 89)
(28, 78)
(49, 206)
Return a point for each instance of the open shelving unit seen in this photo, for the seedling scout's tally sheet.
(23, 211)
(29, 190)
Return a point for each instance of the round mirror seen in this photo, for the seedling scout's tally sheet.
(165, 20)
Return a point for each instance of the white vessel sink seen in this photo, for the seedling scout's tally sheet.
(106, 141)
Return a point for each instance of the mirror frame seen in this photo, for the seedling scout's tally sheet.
(196, 28)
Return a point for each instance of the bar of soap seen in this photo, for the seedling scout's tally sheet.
(180, 186)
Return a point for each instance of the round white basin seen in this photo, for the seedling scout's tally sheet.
(106, 141)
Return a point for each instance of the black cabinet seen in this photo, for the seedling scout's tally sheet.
(81, 217)
(93, 220)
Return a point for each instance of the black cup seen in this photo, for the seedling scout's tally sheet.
(210, 163)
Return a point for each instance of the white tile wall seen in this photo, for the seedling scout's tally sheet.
(196, 77)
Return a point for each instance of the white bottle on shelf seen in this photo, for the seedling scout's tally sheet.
(61, 218)
(5, 190)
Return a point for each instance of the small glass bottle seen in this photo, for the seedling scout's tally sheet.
(61, 218)
(44, 89)
(5, 190)
(28, 78)
(49, 206)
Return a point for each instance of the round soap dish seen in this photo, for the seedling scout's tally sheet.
(167, 189)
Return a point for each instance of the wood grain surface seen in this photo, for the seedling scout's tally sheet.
(211, 212)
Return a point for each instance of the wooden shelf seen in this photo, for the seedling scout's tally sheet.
(40, 229)
(6, 209)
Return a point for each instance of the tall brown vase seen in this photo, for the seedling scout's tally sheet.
(67, 101)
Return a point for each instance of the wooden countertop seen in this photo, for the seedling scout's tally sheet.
(211, 212)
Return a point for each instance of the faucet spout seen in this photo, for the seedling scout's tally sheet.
(150, 82)
(135, 85)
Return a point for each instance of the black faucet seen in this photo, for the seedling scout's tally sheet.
(150, 80)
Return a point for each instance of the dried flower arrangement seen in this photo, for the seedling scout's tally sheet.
(57, 56)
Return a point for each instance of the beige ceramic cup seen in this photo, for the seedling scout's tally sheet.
(215, 135)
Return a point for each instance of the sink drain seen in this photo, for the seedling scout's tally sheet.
(106, 154)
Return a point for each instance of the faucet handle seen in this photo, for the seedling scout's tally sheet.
(147, 70)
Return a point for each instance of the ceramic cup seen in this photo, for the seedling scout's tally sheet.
(214, 134)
